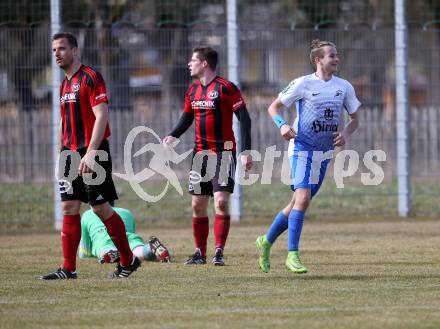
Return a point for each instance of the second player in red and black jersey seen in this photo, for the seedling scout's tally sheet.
(78, 95)
(212, 101)
(212, 106)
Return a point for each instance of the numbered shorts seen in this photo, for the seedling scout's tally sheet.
(212, 173)
(73, 187)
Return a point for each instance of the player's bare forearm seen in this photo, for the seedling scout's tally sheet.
(352, 125)
(341, 137)
(285, 130)
(275, 107)
(101, 119)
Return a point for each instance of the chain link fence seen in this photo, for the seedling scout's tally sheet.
(144, 64)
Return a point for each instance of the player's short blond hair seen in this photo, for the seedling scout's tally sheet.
(316, 49)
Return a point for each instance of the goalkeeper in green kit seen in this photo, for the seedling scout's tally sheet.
(95, 241)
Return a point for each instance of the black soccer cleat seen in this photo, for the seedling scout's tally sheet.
(125, 272)
(218, 259)
(60, 274)
(196, 258)
(159, 250)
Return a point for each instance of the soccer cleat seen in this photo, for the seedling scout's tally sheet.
(293, 263)
(110, 256)
(159, 250)
(125, 272)
(60, 274)
(263, 247)
(218, 259)
(196, 258)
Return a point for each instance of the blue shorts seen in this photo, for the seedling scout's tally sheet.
(308, 168)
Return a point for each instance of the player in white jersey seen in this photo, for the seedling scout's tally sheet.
(320, 98)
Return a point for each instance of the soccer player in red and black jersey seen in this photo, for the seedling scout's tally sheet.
(84, 130)
(212, 101)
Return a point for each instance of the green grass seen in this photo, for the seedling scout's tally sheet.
(383, 274)
(29, 206)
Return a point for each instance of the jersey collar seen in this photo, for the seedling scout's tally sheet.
(315, 77)
(76, 72)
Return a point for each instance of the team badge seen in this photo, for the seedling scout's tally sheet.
(338, 93)
(213, 94)
(328, 114)
(75, 87)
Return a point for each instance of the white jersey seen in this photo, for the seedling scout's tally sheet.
(318, 105)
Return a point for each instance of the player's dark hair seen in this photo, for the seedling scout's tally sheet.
(71, 39)
(317, 49)
(207, 54)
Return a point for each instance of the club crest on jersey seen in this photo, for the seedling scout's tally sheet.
(75, 87)
(328, 114)
(213, 94)
(338, 93)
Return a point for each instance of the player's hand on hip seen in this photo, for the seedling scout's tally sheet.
(246, 161)
(339, 139)
(168, 141)
(287, 132)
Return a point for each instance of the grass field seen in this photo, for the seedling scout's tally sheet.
(363, 274)
(30, 206)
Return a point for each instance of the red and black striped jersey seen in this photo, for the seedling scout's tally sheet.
(78, 95)
(213, 106)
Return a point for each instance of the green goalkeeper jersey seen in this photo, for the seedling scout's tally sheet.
(94, 236)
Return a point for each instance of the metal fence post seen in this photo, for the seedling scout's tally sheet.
(402, 122)
(234, 76)
(56, 80)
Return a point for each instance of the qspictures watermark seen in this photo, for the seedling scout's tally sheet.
(205, 166)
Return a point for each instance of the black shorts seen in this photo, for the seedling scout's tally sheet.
(75, 187)
(212, 172)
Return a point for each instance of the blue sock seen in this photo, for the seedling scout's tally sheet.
(296, 221)
(279, 225)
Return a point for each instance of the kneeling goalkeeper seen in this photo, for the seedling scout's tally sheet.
(95, 241)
